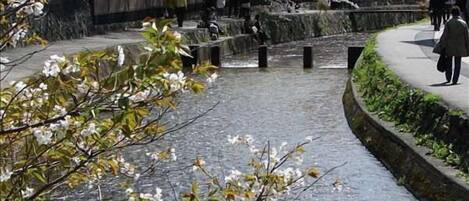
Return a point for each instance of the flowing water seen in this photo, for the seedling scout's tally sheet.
(282, 103)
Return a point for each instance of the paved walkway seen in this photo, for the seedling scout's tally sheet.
(408, 52)
(67, 47)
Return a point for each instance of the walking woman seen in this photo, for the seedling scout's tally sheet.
(455, 43)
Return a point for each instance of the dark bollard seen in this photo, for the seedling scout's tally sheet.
(215, 54)
(263, 56)
(188, 62)
(353, 55)
(308, 57)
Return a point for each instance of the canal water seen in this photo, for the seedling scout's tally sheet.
(282, 103)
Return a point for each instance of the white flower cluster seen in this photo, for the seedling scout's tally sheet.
(291, 175)
(120, 56)
(127, 168)
(161, 156)
(234, 176)
(5, 174)
(237, 140)
(17, 34)
(28, 7)
(62, 124)
(52, 66)
(40, 95)
(61, 111)
(198, 163)
(140, 96)
(27, 192)
(43, 135)
(212, 78)
(158, 196)
(91, 129)
(3, 62)
(176, 81)
(244, 140)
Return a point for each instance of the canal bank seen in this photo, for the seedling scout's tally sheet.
(390, 106)
(279, 28)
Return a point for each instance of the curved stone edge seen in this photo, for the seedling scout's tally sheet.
(425, 176)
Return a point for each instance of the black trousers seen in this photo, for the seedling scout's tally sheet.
(457, 70)
(180, 14)
(437, 17)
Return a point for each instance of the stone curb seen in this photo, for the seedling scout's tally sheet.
(425, 176)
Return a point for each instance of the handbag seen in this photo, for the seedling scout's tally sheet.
(438, 49)
(443, 62)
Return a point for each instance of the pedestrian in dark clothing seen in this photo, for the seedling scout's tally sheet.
(447, 10)
(260, 34)
(233, 7)
(436, 9)
(210, 3)
(248, 25)
(462, 5)
(245, 8)
(181, 6)
(454, 43)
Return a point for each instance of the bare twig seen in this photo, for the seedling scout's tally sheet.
(319, 178)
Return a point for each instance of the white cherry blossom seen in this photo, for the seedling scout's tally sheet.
(20, 86)
(140, 96)
(5, 174)
(120, 56)
(28, 192)
(91, 129)
(43, 136)
(43, 86)
(3, 61)
(212, 78)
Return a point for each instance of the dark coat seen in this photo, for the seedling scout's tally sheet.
(455, 38)
(437, 5)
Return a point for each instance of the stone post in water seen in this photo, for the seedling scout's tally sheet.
(263, 56)
(308, 57)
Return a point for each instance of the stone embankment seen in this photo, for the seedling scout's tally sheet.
(421, 139)
(425, 176)
(279, 28)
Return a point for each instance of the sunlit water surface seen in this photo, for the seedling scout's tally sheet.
(283, 103)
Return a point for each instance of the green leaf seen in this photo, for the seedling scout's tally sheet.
(39, 175)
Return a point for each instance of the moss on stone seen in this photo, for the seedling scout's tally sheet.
(411, 110)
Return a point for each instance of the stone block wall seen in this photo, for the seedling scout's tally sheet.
(290, 27)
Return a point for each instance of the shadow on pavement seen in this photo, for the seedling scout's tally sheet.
(424, 42)
(443, 84)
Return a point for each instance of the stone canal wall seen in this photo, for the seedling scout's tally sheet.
(70, 19)
(291, 27)
(422, 141)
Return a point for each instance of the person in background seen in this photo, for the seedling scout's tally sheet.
(245, 9)
(462, 5)
(260, 34)
(447, 10)
(248, 25)
(467, 12)
(169, 6)
(181, 6)
(220, 7)
(455, 43)
(210, 4)
(233, 7)
(436, 9)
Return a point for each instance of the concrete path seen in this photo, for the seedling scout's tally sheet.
(67, 47)
(408, 52)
